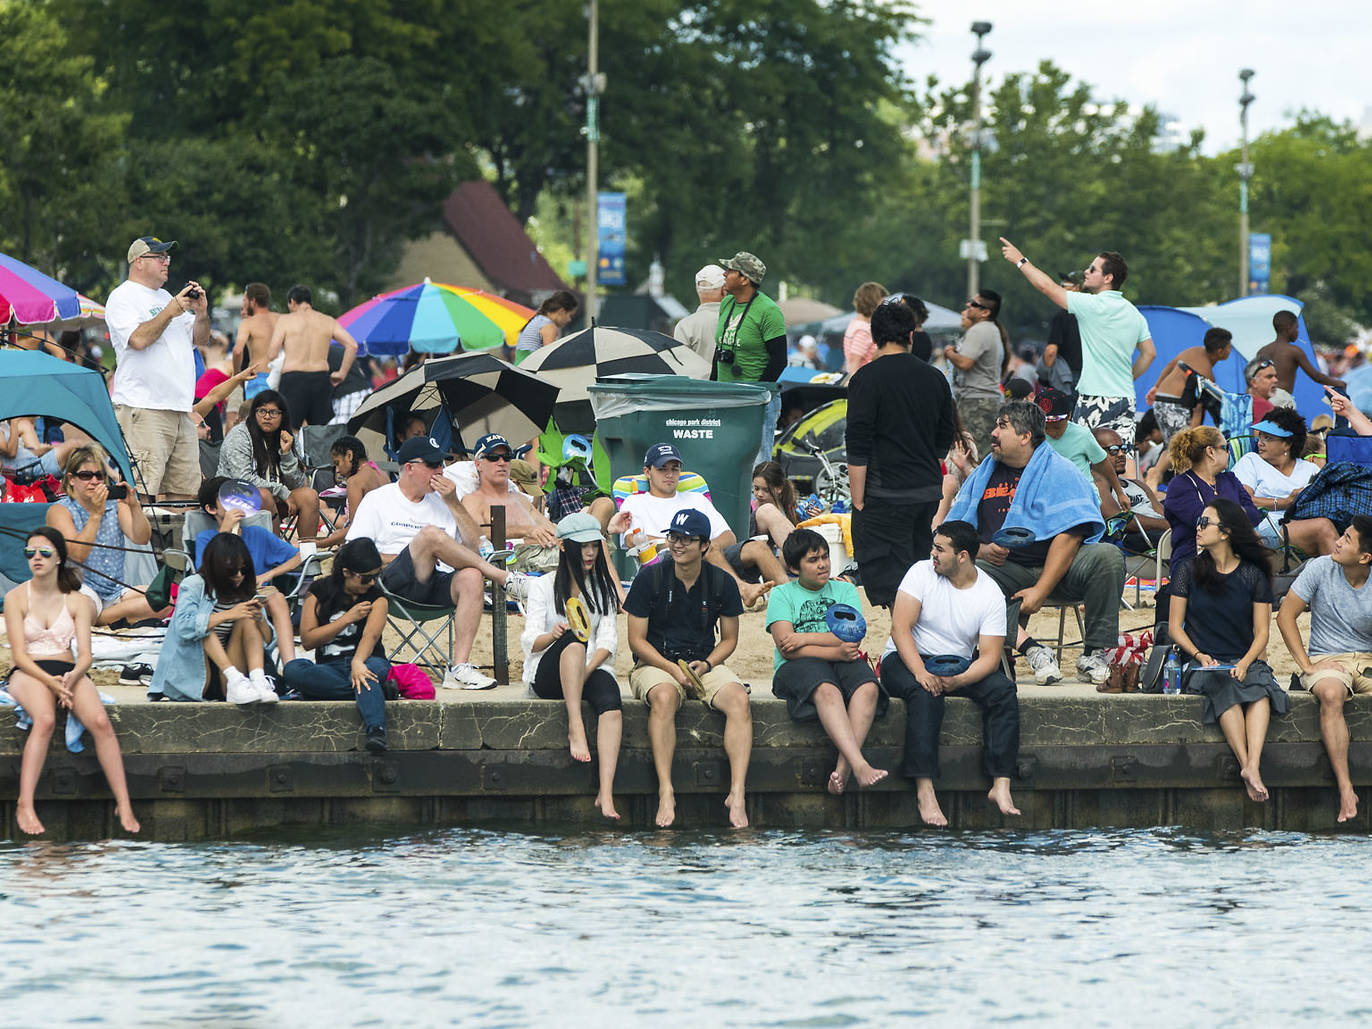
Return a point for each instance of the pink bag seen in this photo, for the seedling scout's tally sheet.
(412, 682)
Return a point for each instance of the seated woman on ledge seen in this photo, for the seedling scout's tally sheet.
(42, 619)
(559, 664)
(262, 451)
(218, 617)
(1220, 614)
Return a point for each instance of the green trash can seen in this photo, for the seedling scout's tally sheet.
(715, 425)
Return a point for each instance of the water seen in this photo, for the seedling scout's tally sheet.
(489, 928)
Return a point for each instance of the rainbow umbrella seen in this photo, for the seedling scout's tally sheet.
(28, 297)
(435, 318)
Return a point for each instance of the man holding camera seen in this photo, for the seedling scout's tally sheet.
(750, 339)
(155, 335)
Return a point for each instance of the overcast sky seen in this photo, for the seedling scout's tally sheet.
(1181, 56)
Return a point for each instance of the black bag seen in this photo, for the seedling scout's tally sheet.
(1150, 676)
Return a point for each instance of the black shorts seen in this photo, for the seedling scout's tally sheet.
(796, 681)
(600, 689)
(308, 396)
(733, 553)
(399, 577)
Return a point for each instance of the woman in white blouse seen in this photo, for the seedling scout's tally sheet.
(1274, 476)
(562, 664)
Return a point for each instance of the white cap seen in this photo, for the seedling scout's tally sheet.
(710, 277)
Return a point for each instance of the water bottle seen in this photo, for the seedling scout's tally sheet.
(1171, 674)
(485, 548)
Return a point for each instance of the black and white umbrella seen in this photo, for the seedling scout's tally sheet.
(473, 393)
(573, 363)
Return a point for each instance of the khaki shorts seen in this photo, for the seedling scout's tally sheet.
(534, 557)
(1349, 669)
(164, 447)
(645, 677)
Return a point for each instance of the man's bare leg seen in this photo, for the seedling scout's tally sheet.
(838, 725)
(663, 701)
(469, 598)
(732, 700)
(999, 795)
(1334, 731)
(433, 544)
(929, 811)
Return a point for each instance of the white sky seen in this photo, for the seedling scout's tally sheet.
(1181, 56)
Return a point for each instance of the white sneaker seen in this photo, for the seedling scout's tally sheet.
(466, 676)
(1093, 668)
(266, 692)
(241, 691)
(517, 586)
(1044, 666)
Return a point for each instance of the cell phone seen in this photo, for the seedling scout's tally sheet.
(118, 491)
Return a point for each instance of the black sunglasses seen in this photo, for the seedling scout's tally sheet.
(362, 576)
(86, 475)
(1115, 449)
(979, 307)
(1204, 523)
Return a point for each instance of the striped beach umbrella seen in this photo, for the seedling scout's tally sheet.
(435, 318)
(28, 297)
(576, 361)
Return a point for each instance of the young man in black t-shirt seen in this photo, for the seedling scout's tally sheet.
(673, 607)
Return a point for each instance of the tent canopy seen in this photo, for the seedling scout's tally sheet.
(37, 384)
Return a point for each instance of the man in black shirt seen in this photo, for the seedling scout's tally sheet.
(900, 426)
(673, 606)
(1061, 361)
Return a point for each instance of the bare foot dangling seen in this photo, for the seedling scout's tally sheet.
(999, 795)
(738, 810)
(666, 810)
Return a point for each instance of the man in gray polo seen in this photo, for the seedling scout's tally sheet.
(1112, 330)
(697, 329)
(750, 337)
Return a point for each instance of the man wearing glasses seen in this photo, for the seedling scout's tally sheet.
(426, 539)
(155, 335)
(978, 358)
(538, 550)
(1261, 373)
(1112, 331)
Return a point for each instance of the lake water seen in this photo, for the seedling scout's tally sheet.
(507, 928)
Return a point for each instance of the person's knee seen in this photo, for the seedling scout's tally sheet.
(427, 539)
(663, 699)
(100, 725)
(827, 693)
(466, 584)
(1330, 692)
(44, 723)
(733, 701)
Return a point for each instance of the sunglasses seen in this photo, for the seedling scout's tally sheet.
(1204, 523)
(363, 577)
(234, 573)
(1115, 449)
(504, 455)
(979, 307)
(1264, 364)
(86, 475)
(44, 552)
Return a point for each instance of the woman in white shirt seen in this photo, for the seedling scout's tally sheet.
(561, 665)
(1274, 476)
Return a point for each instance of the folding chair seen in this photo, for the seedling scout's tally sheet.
(420, 642)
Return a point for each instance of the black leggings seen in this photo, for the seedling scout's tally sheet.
(601, 691)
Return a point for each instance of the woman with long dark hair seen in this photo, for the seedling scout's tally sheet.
(43, 618)
(772, 518)
(1219, 618)
(263, 451)
(569, 644)
(342, 621)
(553, 315)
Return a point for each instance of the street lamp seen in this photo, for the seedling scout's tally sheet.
(1245, 173)
(974, 249)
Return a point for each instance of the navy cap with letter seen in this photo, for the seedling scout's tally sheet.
(420, 448)
(690, 522)
(489, 442)
(659, 454)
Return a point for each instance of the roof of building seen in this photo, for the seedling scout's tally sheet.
(492, 235)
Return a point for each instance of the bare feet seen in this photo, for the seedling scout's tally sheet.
(838, 782)
(999, 795)
(1348, 806)
(666, 809)
(929, 811)
(576, 736)
(751, 592)
(606, 803)
(127, 820)
(27, 820)
(1252, 782)
(738, 810)
(869, 776)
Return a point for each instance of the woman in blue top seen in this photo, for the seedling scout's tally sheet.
(554, 315)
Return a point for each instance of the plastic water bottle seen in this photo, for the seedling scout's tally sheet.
(1171, 674)
(486, 548)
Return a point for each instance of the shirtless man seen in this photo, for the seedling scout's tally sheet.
(1166, 395)
(1286, 357)
(306, 382)
(252, 344)
(538, 551)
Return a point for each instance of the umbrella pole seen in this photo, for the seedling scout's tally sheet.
(500, 643)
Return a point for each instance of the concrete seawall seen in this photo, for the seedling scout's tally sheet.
(199, 771)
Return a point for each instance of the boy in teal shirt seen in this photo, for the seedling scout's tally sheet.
(817, 674)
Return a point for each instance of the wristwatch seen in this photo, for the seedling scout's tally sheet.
(1021, 262)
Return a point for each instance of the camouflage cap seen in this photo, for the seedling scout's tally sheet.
(746, 264)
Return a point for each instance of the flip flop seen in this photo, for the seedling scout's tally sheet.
(696, 690)
(1014, 536)
(578, 619)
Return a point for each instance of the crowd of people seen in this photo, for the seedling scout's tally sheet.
(974, 505)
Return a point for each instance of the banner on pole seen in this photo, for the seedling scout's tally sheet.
(1259, 262)
(611, 239)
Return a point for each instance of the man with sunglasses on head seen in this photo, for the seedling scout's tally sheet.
(977, 360)
(537, 550)
(1116, 343)
(427, 541)
(1261, 373)
(153, 388)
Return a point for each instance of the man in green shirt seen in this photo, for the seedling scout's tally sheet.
(750, 338)
(1112, 329)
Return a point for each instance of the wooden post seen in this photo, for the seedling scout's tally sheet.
(500, 651)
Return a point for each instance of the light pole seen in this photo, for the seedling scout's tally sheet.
(594, 85)
(975, 250)
(1245, 173)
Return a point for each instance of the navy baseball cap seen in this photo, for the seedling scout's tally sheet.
(420, 448)
(659, 454)
(690, 522)
(491, 441)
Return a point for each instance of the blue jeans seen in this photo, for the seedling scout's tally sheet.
(769, 429)
(332, 680)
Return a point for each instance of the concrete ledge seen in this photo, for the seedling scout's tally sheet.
(210, 770)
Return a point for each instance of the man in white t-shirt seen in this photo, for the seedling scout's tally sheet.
(644, 517)
(420, 528)
(948, 607)
(697, 330)
(155, 335)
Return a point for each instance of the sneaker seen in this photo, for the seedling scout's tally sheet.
(135, 675)
(241, 691)
(1044, 666)
(517, 586)
(1093, 668)
(266, 692)
(376, 739)
(466, 676)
